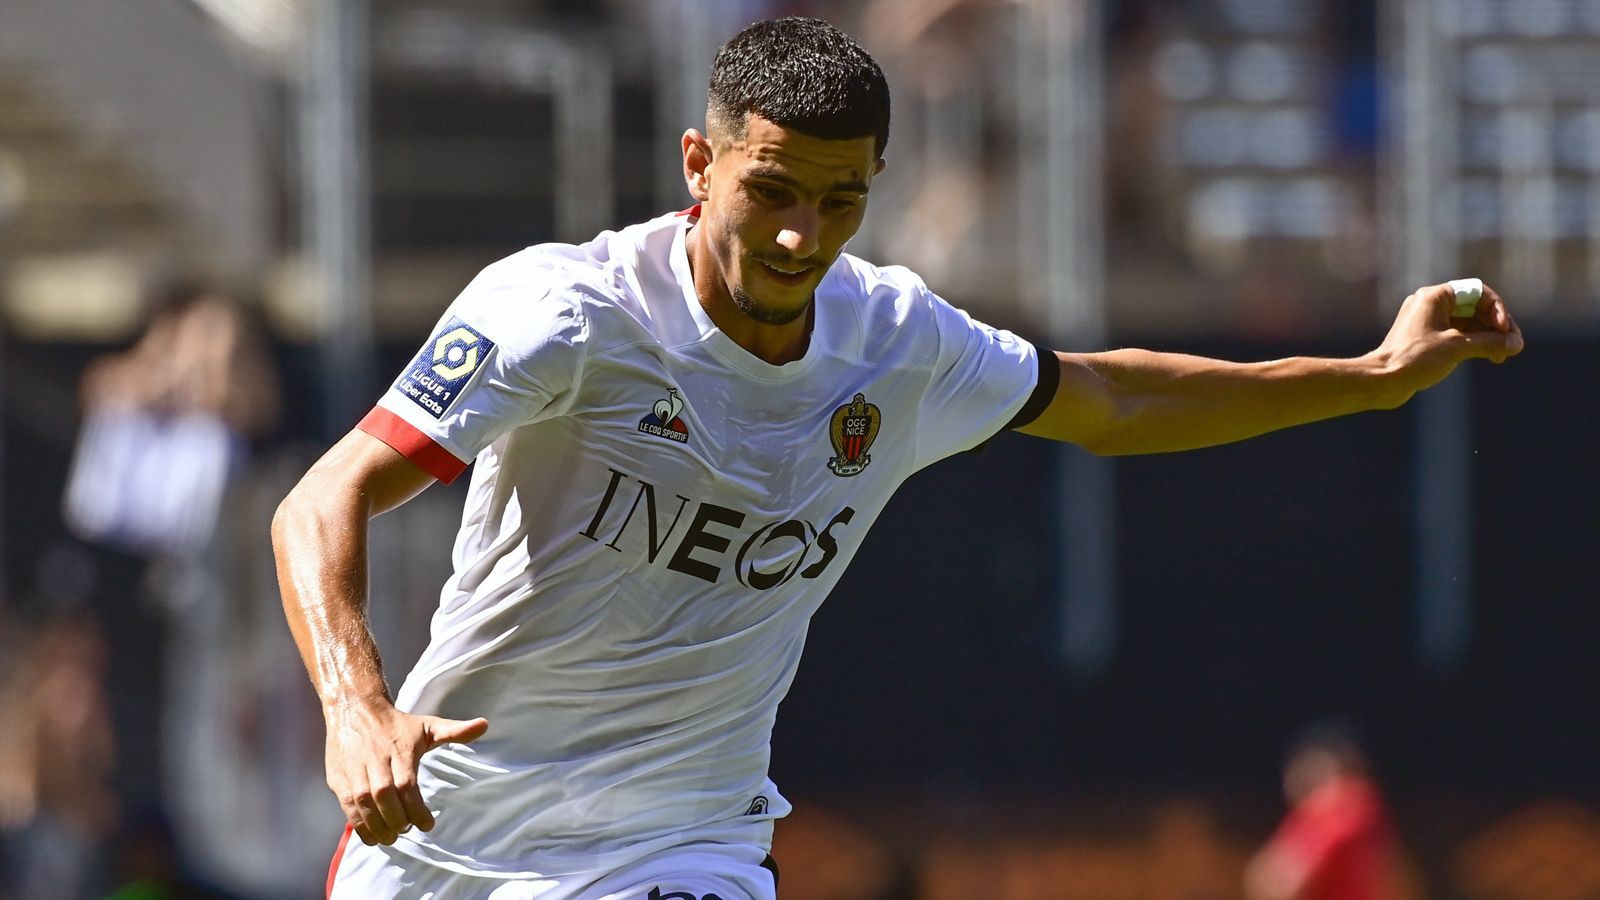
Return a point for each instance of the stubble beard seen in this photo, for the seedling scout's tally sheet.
(766, 315)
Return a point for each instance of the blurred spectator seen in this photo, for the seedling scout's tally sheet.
(57, 749)
(164, 424)
(953, 65)
(1337, 842)
(938, 44)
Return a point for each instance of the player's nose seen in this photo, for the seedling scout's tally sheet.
(799, 234)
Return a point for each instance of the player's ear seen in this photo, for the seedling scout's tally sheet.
(882, 164)
(696, 161)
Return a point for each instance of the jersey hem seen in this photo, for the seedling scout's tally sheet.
(418, 849)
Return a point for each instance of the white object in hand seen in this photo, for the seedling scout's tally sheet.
(1468, 291)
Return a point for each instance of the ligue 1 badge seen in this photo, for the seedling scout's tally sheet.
(441, 369)
(852, 429)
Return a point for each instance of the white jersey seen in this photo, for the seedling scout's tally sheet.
(654, 516)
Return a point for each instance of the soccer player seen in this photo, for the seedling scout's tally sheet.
(682, 432)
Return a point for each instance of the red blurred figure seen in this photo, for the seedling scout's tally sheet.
(1336, 843)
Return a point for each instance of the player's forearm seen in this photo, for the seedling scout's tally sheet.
(319, 539)
(1158, 402)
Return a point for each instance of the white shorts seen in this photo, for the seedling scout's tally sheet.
(690, 872)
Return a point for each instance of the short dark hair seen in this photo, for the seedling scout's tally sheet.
(802, 74)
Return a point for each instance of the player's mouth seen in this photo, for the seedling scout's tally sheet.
(791, 276)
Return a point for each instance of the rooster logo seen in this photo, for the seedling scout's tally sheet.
(664, 421)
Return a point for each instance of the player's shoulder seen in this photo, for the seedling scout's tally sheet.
(564, 274)
(587, 283)
(526, 298)
(885, 296)
(878, 281)
(897, 314)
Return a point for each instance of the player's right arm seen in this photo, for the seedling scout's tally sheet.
(319, 537)
(1138, 401)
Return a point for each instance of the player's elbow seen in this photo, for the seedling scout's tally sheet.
(1097, 407)
(303, 510)
(1101, 438)
(1121, 428)
(291, 511)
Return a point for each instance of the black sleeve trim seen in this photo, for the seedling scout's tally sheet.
(1044, 390)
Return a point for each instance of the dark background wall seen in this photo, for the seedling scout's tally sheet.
(1263, 585)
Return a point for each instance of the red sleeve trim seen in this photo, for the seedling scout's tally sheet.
(338, 856)
(412, 444)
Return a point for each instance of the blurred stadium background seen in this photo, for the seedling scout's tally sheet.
(1046, 676)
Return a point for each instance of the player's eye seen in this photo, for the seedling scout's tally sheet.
(769, 193)
(839, 204)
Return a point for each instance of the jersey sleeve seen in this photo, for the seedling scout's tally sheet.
(508, 352)
(984, 380)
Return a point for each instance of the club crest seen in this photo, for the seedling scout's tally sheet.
(853, 428)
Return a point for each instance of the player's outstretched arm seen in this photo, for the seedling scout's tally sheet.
(1138, 401)
(319, 536)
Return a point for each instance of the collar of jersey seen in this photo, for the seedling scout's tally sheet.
(726, 348)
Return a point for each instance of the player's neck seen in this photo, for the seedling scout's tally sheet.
(772, 344)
